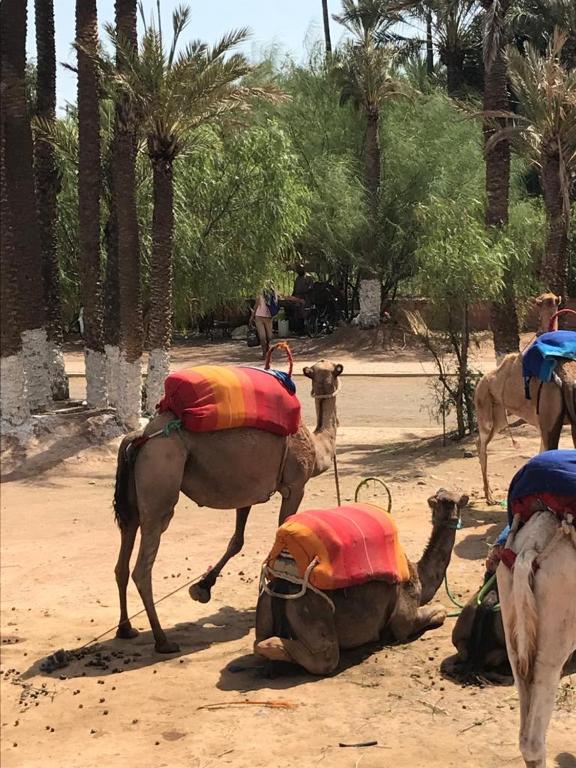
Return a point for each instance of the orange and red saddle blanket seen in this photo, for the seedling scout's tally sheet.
(214, 397)
(353, 544)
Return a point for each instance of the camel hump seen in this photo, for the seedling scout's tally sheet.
(351, 544)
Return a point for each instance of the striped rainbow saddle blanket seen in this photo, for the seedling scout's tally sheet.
(351, 545)
(214, 397)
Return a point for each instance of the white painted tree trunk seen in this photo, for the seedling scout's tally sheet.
(59, 385)
(35, 359)
(158, 369)
(370, 294)
(95, 363)
(14, 409)
(129, 403)
(112, 373)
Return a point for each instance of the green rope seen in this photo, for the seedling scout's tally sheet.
(451, 596)
(484, 591)
(172, 426)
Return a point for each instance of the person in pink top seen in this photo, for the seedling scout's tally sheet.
(265, 308)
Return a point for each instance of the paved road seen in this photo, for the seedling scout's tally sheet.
(364, 401)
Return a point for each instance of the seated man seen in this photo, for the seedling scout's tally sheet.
(302, 290)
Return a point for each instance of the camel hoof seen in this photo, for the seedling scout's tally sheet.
(199, 593)
(126, 633)
(167, 647)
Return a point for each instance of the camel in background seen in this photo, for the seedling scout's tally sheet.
(538, 606)
(226, 469)
(358, 615)
(502, 390)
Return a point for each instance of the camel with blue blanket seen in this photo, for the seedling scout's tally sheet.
(537, 385)
(537, 586)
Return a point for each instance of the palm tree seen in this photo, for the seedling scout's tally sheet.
(326, 20)
(171, 95)
(535, 21)
(366, 71)
(124, 182)
(451, 26)
(23, 220)
(544, 132)
(503, 316)
(46, 177)
(14, 409)
(89, 182)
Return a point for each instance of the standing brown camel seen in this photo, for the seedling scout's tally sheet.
(233, 468)
(502, 391)
(311, 632)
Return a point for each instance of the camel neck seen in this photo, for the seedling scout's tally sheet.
(325, 433)
(325, 415)
(435, 560)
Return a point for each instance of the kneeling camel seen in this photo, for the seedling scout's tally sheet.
(227, 469)
(308, 632)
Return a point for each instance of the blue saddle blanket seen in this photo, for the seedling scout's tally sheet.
(541, 357)
(548, 472)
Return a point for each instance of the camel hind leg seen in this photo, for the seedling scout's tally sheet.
(491, 418)
(158, 476)
(128, 533)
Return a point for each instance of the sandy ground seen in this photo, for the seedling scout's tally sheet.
(210, 705)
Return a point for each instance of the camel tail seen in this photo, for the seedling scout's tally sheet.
(525, 615)
(125, 506)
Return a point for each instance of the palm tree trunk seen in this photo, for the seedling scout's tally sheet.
(19, 173)
(503, 316)
(111, 302)
(370, 292)
(89, 182)
(454, 71)
(14, 410)
(160, 281)
(326, 19)
(46, 191)
(429, 44)
(554, 267)
(130, 296)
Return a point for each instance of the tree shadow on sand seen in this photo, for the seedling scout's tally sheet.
(115, 656)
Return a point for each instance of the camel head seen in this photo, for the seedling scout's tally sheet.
(324, 377)
(548, 304)
(446, 508)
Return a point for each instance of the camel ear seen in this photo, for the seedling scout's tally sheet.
(463, 501)
(432, 502)
(538, 301)
(338, 369)
(307, 372)
(559, 300)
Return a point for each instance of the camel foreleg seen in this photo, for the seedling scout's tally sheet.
(314, 641)
(201, 591)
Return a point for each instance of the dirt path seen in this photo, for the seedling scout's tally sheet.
(134, 707)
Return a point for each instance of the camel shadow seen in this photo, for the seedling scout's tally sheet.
(475, 546)
(565, 760)
(116, 656)
(254, 673)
